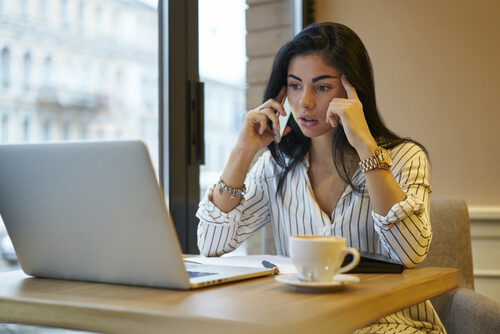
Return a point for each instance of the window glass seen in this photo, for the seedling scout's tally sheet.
(222, 64)
(79, 77)
(222, 69)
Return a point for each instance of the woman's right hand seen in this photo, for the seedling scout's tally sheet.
(255, 132)
(254, 135)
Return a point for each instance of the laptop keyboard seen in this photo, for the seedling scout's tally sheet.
(193, 274)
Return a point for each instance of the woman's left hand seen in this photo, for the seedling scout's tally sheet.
(349, 113)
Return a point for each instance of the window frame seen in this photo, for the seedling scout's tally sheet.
(180, 116)
(181, 111)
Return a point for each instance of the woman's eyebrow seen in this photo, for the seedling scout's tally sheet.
(326, 76)
(321, 77)
(294, 77)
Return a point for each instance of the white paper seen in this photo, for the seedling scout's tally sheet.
(283, 263)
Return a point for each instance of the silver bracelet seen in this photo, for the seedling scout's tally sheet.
(233, 191)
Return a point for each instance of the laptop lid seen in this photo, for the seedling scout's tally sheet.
(93, 211)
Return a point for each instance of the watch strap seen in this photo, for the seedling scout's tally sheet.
(373, 162)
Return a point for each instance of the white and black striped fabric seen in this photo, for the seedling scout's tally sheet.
(404, 234)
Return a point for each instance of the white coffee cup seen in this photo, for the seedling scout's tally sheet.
(319, 258)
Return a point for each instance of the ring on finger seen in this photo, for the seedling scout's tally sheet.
(260, 110)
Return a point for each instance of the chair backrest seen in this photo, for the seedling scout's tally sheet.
(451, 241)
(451, 247)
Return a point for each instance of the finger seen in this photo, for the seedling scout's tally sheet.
(333, 119)
(337, 110)
(270, 116)
(269, 107)
(350, 90)
(340, 103)
(262, 125)
(333, 122)
(337, 119)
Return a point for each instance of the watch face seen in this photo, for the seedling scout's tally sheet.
(386, 157)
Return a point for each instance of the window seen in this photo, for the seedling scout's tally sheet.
(98, 20)
(6, 64)
(5, 128)
(71, 76)
(66, 79)
(81, 15)
(102, 80)
(44, 10)
(66, 74)
(47, 130)
(65, 14)
(117, 25)
(104, 84)
(66, 130)
(47, 73)
(4, 5)
(119, 79)
(25, 5)
(27, 71)
(26, 129)
(86, 78)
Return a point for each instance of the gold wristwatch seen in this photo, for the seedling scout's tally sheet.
(380, 159)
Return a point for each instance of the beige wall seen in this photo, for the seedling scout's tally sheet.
(437, 76)
(269, 25)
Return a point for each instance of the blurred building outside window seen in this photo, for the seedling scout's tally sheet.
(71, 70)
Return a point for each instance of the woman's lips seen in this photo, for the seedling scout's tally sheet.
(307, 121)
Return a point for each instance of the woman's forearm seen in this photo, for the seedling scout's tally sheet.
(233, 176)
(383, 189)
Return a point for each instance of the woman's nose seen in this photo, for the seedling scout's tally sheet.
(307, 100)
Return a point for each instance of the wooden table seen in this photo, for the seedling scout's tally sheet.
(260, 305)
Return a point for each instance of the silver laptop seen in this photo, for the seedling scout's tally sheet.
(93, 211)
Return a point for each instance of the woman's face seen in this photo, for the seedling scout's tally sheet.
(311, 86)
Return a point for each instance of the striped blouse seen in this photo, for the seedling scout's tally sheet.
(403, 234)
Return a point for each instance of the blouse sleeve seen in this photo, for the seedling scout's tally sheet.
(219, 232)
(406, 230)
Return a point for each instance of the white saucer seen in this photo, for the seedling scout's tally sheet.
(338, 282)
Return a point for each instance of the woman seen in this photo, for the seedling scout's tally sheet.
(337, 171)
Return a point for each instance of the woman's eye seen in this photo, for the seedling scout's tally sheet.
(323, 88)
(294, 86)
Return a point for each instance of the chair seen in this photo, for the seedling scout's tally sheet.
(462, 310)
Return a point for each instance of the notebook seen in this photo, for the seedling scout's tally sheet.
(374, 263)
(93, 211)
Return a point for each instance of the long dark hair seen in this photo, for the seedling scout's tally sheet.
(341, 48)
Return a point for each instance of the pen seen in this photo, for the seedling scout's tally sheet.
(270, 265)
